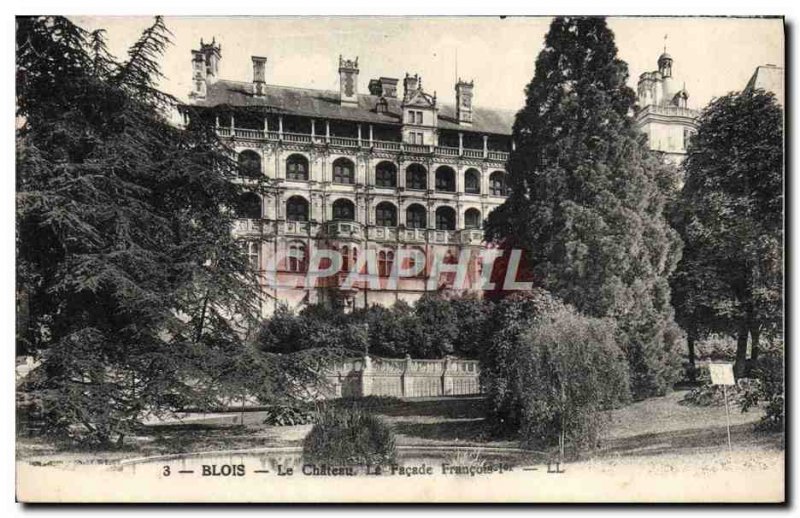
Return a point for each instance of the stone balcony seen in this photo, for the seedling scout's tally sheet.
(344, 230)
(347, 142)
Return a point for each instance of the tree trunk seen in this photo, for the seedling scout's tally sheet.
(755, 336)
(741, 349)
(690, 338)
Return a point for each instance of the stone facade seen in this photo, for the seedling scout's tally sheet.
(353, 172)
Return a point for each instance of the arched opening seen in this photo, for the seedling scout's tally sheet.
(249, 164)
(472, 218)
(296, 260)
(297, 209)
(344, 210)
(472, 181)
(385, 215)
(445, 218)
(497, 184)
(343, 171)
(386, 175)
(349, 258)
(297, 168)
(416, 216)
(416, 177)
(445, 179)
(253, 251)
(248, 206)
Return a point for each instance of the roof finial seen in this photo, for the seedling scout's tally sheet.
(665, 43)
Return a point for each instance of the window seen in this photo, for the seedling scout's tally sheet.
(385, 262)
(416, 217)
(296, 258)
(385, 215)
(445, 218)
(472, 218)
(386, 175)
(412, 116)
(472, 182)
(419, 117)
(297, 168)
(249, 164)
(248, 206)
(416, 177)
(497, 184)
(445, 179)
(297, 209)
(253, 251)
(349, 258)
(343, 171)
(344, 210)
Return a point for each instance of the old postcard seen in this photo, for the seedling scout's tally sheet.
(400, 259)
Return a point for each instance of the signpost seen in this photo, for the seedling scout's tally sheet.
(722, 374)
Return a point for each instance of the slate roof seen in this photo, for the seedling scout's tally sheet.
(324, 104)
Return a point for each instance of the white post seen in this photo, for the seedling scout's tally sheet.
(327, 131)
(727, 417)
(460, 143)
(280, 127)
(370, 135)
(359, 135)
(313, 130)
(485, 146)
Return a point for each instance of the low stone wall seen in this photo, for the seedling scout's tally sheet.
(374, 376)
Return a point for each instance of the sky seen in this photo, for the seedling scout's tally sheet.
(711, 55)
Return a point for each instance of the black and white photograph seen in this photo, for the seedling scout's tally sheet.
(400, 259)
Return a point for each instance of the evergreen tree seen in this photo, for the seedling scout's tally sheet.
(730, 215)
(588, 198)
(127, 272)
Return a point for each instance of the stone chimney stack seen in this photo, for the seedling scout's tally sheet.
(205, 67)
(464, 101)
(384, 87)
(348, 81)
(259, 75)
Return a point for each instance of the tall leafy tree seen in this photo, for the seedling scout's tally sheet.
(126, 266)
(588, 198)
(730, 215)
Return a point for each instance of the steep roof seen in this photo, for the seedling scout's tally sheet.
(768, 78)
(325, 105)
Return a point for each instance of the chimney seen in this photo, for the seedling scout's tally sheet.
(259, 74)
(205, 67)
(410, 85)
(464, 101)
(383, 87)
(348, 81)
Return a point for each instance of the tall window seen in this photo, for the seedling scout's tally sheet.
(297, 209)
(386, 175)
(416, 177)
(416, 217)
(349, 258)
(472, 181)
(296, 260)
(253, 251)
(248, 206)
(343, 171)
(445, 179)
(445, 218)
(297, 168)
(249, 164)
(472, 218)
(497, 184)
(385, 262)
(385, 215)
(344, 210)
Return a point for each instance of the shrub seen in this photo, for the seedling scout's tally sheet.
(566, 370)
(346, 436)
(508, 320)
(289, 415)
(716, 348)
(770, 389)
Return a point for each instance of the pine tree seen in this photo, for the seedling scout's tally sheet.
(126, 265)
(588, 198)
(730, 215)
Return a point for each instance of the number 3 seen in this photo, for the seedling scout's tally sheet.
(166, 471)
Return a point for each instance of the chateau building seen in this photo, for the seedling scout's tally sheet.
(385, 170)
(663, 112)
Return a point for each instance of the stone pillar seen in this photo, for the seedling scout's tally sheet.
(485, 146)
(280, 127)
(447, 377)
(406, 379)
(366, 377)
(460, 144)
(266, 127)
(327, 131)
(370, 135)
(313, 130)
(459, 181)
(359, 135)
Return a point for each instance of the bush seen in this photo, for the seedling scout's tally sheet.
(289, 415)
(566, 370)
(349, 436)
(716, 348)
(770, 389)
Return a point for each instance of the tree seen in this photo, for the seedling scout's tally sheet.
(730, 215)
(588, 198)
(137, 297)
